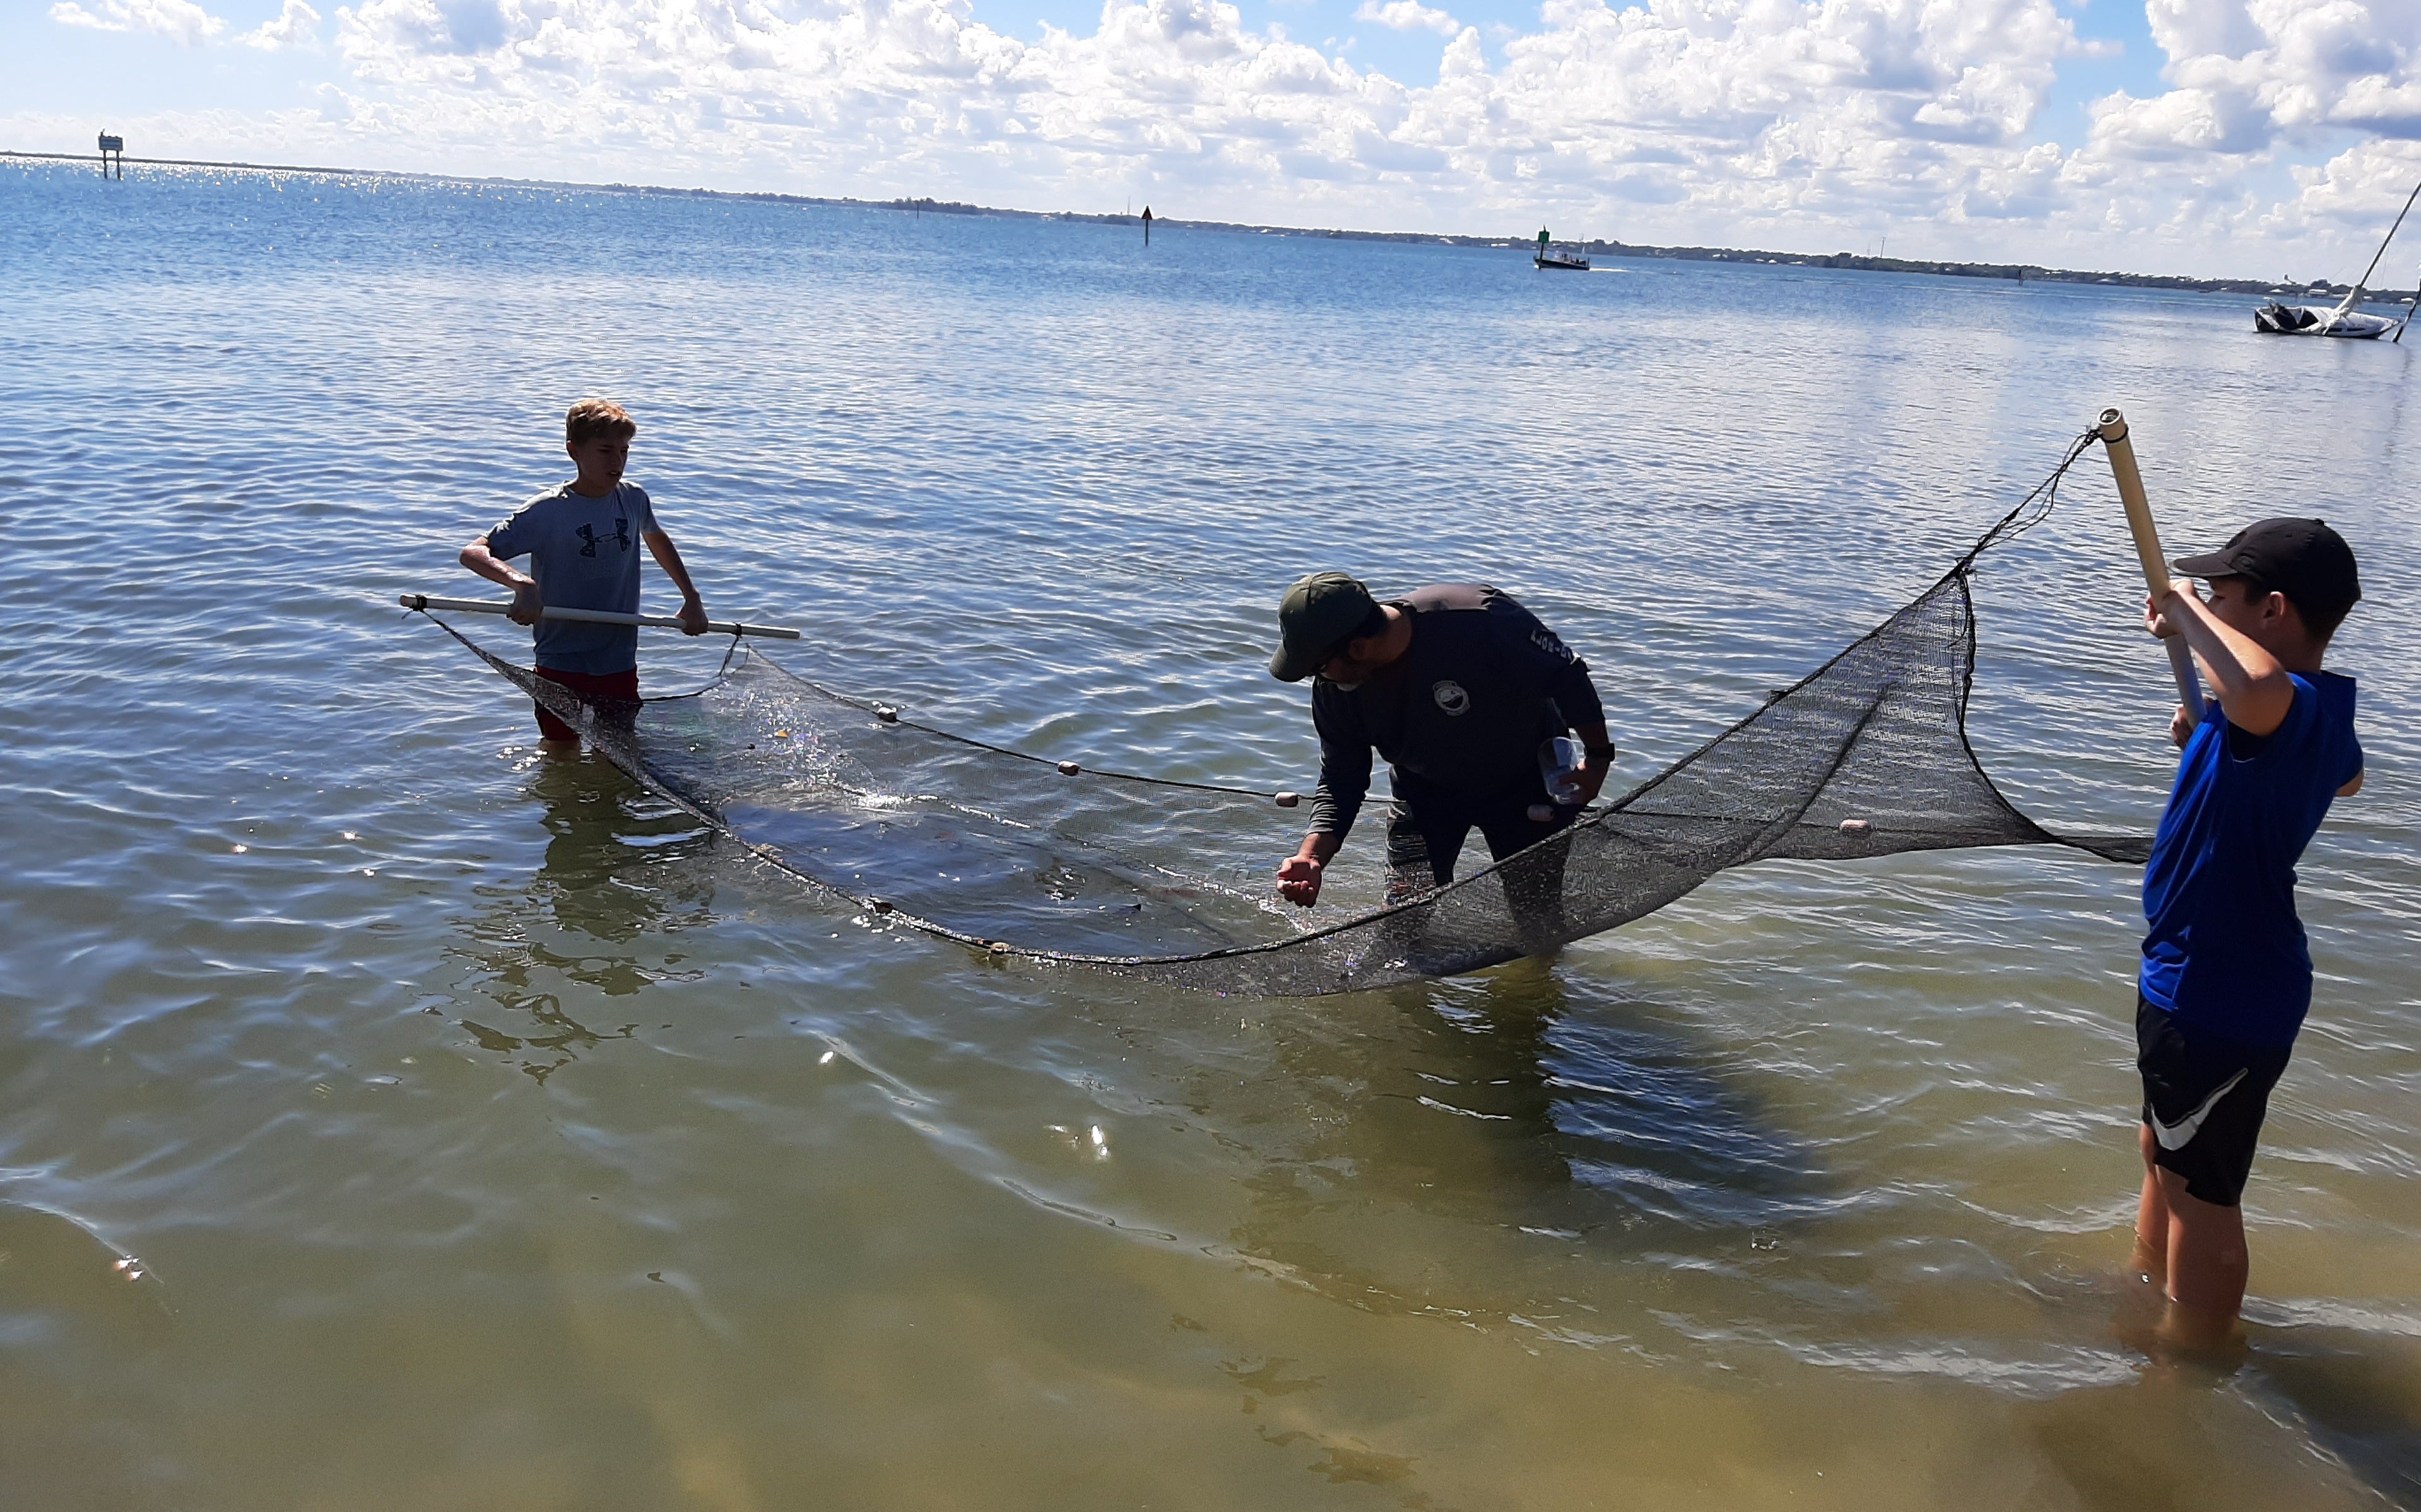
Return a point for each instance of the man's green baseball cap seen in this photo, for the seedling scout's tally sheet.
(1315, 619)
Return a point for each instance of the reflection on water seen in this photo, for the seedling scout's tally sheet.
(59, 1278)
(621, 864)
(2357, 1392)
(1519, 1102)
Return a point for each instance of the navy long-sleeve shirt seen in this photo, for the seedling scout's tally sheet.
(1465, 706)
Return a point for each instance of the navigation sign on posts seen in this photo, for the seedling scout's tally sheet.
(113, 146)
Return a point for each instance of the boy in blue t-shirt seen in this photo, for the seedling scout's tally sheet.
(2227, 978)
(582, 539)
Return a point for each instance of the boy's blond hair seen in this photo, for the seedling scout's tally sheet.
(590, 419)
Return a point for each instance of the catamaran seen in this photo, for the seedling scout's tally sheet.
(2276, 320)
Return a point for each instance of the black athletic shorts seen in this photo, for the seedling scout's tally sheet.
(2204, 1098)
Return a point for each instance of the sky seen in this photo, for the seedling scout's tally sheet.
(2249, 138)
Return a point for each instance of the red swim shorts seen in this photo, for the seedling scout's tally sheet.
(608, 688)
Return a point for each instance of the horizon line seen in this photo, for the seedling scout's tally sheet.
(1858, 262)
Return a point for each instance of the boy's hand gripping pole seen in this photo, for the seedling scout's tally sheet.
(2113, 430)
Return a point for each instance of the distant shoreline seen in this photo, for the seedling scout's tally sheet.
(2017, 273)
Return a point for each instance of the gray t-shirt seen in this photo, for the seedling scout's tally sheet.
(585, 553)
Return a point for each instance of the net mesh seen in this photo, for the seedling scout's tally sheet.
(1026, 858)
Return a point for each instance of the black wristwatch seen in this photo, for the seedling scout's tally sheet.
(1605, 752)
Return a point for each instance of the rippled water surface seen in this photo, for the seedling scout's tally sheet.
(391, 1118)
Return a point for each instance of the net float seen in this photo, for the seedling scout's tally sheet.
(1069, 769)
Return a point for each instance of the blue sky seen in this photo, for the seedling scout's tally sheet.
(2136, 69)
(73, 70)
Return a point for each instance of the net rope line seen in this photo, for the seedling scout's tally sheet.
(890, 714)
(1885, 734)
(583, 716)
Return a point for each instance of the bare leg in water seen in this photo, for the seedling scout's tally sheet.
(2194, 1251)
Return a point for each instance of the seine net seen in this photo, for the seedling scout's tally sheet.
(1021, 857)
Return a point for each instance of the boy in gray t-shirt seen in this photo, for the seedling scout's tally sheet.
(582, 539)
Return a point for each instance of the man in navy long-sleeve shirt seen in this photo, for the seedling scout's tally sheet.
(1457, 686)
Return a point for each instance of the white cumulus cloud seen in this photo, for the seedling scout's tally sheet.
(1408, 16)
(1756, 108)
(296, 25)
(178, 20)
(2243, 73)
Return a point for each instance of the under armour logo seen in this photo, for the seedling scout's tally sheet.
(1450, 696)
(590, 542)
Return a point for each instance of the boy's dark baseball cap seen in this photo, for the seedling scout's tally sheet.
(1315, 619)
(2304, 559)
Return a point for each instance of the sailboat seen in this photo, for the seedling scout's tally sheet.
(2276, 320)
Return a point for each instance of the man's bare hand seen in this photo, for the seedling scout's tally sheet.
(691, 616)
(1299, 881)
(2156, 622)
(2182, 727)
(528, 607)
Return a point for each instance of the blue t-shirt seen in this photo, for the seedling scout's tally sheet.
(585, 553)
(2225, 951)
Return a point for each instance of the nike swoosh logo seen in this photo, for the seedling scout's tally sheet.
(2177, 1135)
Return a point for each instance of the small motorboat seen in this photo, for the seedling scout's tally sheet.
(2277, 319)
(1552, 256)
